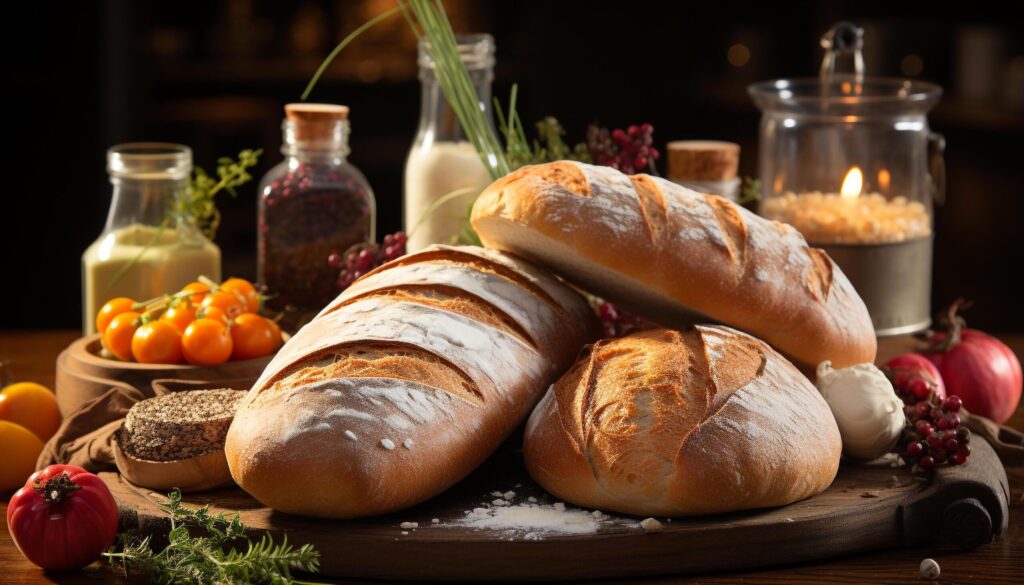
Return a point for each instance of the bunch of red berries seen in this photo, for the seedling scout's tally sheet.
(362, 258)
(933, 435)
(617, 322)
(629, 151)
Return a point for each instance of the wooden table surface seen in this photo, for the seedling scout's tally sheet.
(31, 356)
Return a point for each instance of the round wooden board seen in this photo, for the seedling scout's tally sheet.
(867, 507)
(83, 374)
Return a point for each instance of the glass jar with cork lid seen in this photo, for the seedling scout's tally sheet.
(312, 204)
(850, 161)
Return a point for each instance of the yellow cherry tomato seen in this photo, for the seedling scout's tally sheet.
(157, 342)
(111, 309)
(207, 342)
(231, 303)
(20, 448)
(215, 313)
(200, 289)
(252, 336)
(276, 329)
(180, 315)
(117, 338)
(246, 290)
(32, 406)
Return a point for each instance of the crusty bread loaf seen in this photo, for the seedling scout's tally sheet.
(673, 423)
(678, 257)
(405, 383)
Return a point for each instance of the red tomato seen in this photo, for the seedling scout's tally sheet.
(63, 518)
(982, 371)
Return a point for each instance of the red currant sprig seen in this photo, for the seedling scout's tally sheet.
(362, 258)
(630, 151)
(933, 434)
(617, 322)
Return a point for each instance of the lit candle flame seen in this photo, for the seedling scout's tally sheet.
(852, 184)
(884, 178)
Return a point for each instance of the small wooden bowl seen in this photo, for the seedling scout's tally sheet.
(83, 374)
(196, 474)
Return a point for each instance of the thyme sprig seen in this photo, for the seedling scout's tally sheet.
(197, 206)
(212, 558)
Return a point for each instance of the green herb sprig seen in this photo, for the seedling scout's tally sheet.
(212, 558)
(197, 206)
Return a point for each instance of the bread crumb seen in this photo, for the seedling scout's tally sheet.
(387, 444)
(438, 520)
(532, 500)
(518, 485)
(405, 532)
(499, 502)
(409, 525)
(351, 435)
(651, 525)
(597, 514)
(559, 506)
(509, 495)
(496, 494)
(407, 443)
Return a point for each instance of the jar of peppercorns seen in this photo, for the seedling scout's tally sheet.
(312, 204)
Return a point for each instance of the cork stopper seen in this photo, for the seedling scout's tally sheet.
(703, 160)
(315, 122)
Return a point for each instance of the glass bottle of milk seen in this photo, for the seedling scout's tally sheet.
(142, 253)
(442, 160)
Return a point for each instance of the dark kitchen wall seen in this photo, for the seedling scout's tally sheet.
(214, 75)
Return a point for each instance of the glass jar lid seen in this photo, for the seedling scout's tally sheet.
(149, 161)
(846, 95)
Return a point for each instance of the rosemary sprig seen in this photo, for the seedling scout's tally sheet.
(212, 558)
(750, 192)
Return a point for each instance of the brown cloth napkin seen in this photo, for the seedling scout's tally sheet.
(86, 436)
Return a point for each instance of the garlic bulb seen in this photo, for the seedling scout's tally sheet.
(867, 410)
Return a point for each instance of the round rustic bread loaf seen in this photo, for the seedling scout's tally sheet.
(672, 423)
(678, 257)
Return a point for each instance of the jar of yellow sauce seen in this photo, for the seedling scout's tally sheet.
(144, 251)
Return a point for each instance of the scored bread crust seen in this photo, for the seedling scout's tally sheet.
(672, 423)
(678, 257)
(405, 383)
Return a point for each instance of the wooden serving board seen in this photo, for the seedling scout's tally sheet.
(869, 506)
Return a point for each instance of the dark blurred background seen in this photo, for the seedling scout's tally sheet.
(215, 74)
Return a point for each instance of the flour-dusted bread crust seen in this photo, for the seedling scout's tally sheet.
(678, 257)
(673, 423)
(405, 383)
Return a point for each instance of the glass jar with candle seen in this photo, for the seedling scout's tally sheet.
(144, 252)
(851, 163)
(442, 161)
(311, 205)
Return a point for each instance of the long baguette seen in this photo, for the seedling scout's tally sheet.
(678, 257)
(405, 383)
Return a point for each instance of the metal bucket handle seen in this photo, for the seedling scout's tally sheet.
(842, 40)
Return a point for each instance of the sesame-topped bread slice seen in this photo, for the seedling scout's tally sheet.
(179, 425)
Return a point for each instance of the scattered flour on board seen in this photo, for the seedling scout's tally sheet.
(531, 520)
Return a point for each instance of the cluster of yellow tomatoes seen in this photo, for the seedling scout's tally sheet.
(205, 323)
(28, 418)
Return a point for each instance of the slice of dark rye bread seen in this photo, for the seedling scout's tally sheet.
(179, 425)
